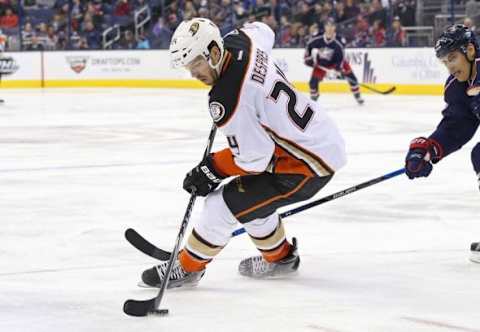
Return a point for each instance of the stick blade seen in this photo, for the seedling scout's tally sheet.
(393, 88)
(139, 308)
(139, 242)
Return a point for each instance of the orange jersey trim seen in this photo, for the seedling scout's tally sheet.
(286, 163)
(224, 163)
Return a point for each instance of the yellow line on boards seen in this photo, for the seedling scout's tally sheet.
(401, 89)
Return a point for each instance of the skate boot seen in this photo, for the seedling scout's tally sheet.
(178, 276)
(475, 252)
(359, 99)
(258, 267)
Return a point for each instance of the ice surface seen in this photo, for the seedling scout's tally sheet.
(77, 167)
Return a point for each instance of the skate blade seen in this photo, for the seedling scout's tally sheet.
(475, 257)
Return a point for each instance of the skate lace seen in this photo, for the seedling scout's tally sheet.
(259, 265)
(176, 273)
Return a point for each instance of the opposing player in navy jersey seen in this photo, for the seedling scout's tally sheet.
(327, 53)
(458, 50)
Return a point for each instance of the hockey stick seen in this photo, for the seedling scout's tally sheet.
(333, 196)
(368, 87)
(149, 249)
(151, 306)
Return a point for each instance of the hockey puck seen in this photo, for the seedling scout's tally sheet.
(161, 312)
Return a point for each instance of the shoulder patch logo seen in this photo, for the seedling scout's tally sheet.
(217, 111)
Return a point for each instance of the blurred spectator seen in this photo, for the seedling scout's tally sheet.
(398, 36)
(143, 42)
(59, 22)
(362, 38)
(340, 12)
(239, 11)
(29, 4)
(83, 44)
(51, 39)
(91, 35)
(35, 45)
(190, 10)
(9, 20)
(472, 7)
(405, 10)
(270, 21)
(27, 34)
(128, 42)
(122, 8)
(351, 10)
(468, 22)
(161, 34)
(378, 33)
(377, 12)
(3, 41)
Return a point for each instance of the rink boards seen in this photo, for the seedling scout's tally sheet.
(411, 70)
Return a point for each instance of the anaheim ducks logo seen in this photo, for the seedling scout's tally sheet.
(194, 28)
(217, 111)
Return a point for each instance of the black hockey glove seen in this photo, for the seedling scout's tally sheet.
(203, 179)
(421, 154)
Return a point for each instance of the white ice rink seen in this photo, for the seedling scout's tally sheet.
(78, 167)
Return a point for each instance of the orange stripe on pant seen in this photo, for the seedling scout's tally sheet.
(273, 199)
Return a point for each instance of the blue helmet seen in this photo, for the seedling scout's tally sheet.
(455, 38)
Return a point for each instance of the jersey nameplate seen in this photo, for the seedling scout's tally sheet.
(260, 68)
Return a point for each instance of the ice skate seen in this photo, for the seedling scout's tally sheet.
(257, 267)
(178, 276)
(475, 252)
(359, 99)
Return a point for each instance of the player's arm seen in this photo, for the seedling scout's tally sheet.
(309, 58)
(250, 148)
(456, 128)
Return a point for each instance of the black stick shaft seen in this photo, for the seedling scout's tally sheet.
(183, 227)
(334, 196)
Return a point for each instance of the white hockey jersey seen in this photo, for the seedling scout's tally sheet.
(269, 126)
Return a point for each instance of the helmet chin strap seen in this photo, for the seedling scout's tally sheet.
(471, 62)
(218, 66)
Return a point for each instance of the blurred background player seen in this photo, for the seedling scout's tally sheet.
(458, 50)
(326, 53)
(282, 149)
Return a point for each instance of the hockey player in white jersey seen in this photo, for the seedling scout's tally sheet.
(283, 149)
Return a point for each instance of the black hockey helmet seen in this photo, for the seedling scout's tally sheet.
(455, 38)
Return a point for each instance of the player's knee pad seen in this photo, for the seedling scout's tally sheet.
(216, 222)
(262, 227)
(269, 237)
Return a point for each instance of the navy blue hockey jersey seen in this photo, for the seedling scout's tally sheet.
(459, 123)
(323, 52)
